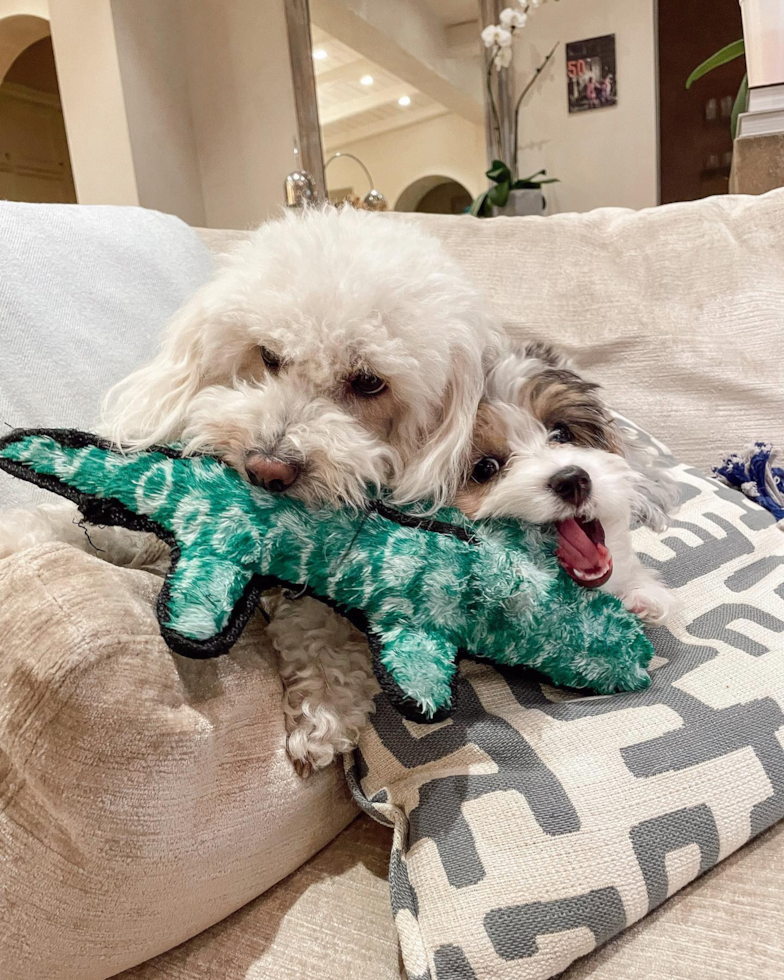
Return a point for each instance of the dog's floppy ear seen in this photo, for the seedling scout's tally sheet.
(437, 470)
(149, 406)
(657, 494)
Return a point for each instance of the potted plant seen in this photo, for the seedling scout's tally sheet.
(525, 193)
(512, 194)
(728, 53)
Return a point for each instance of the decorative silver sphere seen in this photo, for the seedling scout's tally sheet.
(374, 201)
(300, 189)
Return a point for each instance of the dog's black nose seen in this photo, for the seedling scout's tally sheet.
(572, 484)
(272, 474)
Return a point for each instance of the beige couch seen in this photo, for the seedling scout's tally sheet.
(165, 812)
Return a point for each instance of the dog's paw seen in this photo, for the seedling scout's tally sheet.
(651, 601)
(315, 739)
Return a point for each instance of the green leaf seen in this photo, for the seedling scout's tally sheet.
(532, 184)
(728, 53)
(533, 176)
(740, 104)
(498, 195)
(499, 172)
(478, 208)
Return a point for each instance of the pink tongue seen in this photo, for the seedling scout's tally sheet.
(576, 549)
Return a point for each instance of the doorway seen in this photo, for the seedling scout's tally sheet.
(34, 161)
(434, 194)
(695, 142)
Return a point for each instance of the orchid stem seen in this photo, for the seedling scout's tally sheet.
(496, 120)
(519, 103)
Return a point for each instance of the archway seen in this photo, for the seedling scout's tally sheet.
(21, 24)
(434, 194)
(34, 161)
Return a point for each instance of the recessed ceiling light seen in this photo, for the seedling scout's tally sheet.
(404, 100)
(366, 80)
(319, 54)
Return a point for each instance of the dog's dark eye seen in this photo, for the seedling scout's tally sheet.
(485, 469)
(367, 385)
(561, 433)
(271, 359)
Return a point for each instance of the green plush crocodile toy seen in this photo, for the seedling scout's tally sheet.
(423, 589)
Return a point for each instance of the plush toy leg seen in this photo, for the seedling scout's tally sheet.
(602, 668)
(417, 671)
(205, 604)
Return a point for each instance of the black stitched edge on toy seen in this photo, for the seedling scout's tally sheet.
(421, 523)
(76, 439)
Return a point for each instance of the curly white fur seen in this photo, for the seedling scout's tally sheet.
(332, 294)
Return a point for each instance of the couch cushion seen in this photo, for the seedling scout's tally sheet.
(537, 824)
(143, 797)
(84, 294)
(329, 920)
(676, 310)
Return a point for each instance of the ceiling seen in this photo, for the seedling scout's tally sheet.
(451, 12)
(350, 111)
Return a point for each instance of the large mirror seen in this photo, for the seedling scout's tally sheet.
(588, 101)
(400, 101)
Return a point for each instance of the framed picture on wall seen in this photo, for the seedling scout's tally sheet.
(591, 79)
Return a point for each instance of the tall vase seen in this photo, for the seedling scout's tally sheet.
(763, 33)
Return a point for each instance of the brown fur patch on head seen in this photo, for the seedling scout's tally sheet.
(490, 439)
(558, 396)
(545, 353)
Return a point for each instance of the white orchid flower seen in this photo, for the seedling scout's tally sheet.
(503, 38)
(503, 58)
(488, 35)
(511, 18)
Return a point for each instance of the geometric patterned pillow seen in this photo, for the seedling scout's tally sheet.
(535, 823)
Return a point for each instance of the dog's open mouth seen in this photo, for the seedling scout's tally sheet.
(581, 552)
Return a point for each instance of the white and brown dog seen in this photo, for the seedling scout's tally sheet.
(547, 450)
(334, 351)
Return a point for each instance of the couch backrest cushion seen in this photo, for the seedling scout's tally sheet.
(84, 293)
(678, 311)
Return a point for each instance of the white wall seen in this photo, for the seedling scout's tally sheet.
(242, 104)
(448, 146)
(182, 105)
(152, 65)
(603, 157)
(91, 92)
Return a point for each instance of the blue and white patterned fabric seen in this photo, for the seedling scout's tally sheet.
(756, 474)
(535, 824)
